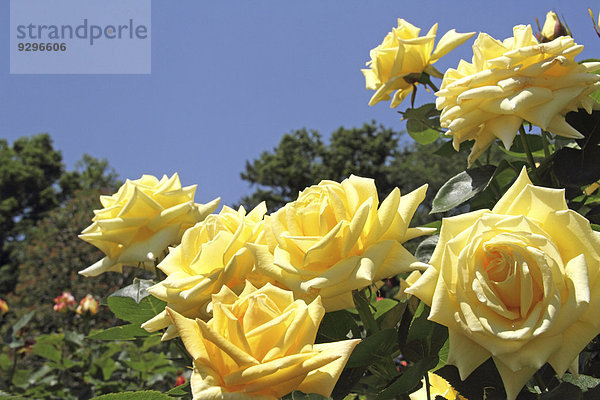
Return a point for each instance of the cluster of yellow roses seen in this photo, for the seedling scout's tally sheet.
(507, 83)
(246, 292)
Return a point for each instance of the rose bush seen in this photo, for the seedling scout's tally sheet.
(334, 239)
(518, 283)
(402, 53)
(212, 254)
(260, 345)
(511, 82)
(139, 221)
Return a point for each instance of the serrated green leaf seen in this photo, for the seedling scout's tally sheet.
(421, 132)
(124, 332)
(373, 348)
(142, 395)
(129, 310)
(181, 390)
(462, 187)
(337, 325)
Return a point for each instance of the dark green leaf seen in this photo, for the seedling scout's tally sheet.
(426, 248)
(181, 390)
(142, 395)
(563, 391)
(391, 317)
(124, 332)
(447, 149)
(588, 125)
(129, 310)
(298, 395)
(363, 307)
(409, 380)
(337, 325)
(575, 168)
(462, 188)
(21, 322)
(372, 349)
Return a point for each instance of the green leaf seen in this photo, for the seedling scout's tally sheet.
(128, 309)
(21, 322)
(372, 349)
(596, 96)
(423, 123)
(136, 291)
(142, 395)
(124, 332)
(181, 390)
(107, 365)
(443, 355)
(382, 306)
(363, 307)
(421, 132)
(462, 187)
(391, 317)
(426, 247)
(409, 380)
(447, 149)
(336, 326)
(563, 391)
(298, 395)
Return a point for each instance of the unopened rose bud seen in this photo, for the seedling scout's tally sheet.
(553, 28)
(87, 305)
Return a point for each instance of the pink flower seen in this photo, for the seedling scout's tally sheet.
(180, 380)
(64, 302)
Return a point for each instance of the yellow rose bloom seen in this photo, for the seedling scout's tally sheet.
(438, 386)
(212, 254)
(511, 82)
(403, 53)
(334, 238)
(260, 346)
(519, 283)
(139, 221)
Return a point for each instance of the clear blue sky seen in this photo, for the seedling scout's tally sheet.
(229, 78)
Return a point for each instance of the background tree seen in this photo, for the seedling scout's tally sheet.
(33, 181)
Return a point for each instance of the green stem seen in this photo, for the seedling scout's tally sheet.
(523, 136)
(546, 143)
(13, 368)
(428, 389)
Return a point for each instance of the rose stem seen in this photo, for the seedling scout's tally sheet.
(523, 136)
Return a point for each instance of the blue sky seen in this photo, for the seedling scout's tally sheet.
(229, 78)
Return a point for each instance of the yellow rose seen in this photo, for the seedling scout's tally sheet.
(260, 346)
(514, 81)
(518, 283)
(403, 53)
(139, 221)
(438, 386)
(3, 307)
(212, 254)
(334, 239)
